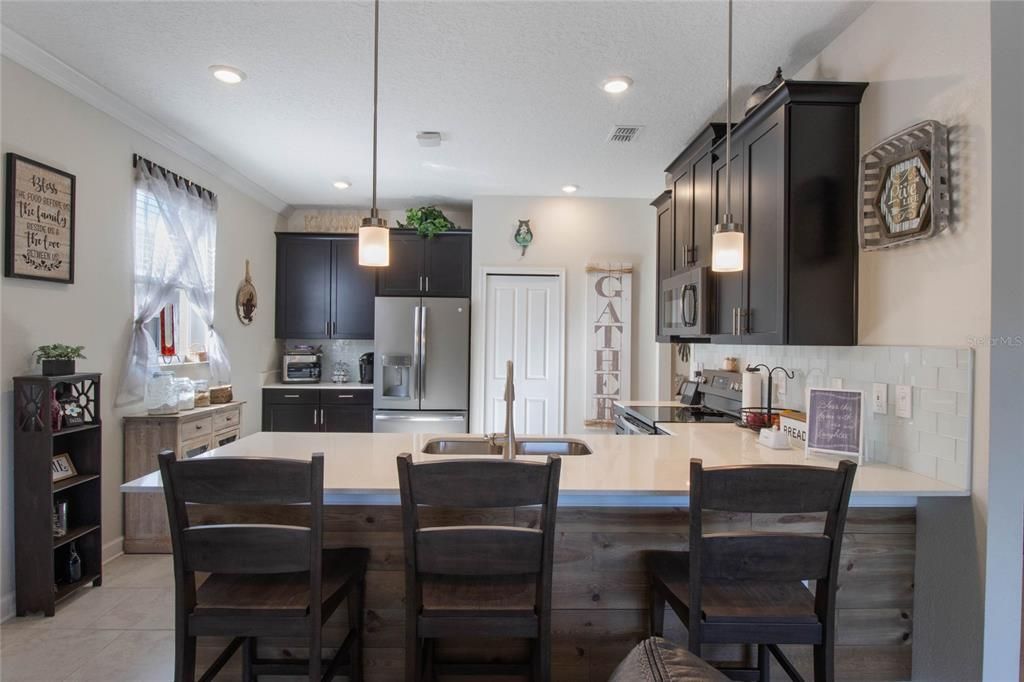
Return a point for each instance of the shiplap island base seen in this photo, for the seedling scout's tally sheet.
(627, 497)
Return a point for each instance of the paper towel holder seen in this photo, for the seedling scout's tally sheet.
(771, 371)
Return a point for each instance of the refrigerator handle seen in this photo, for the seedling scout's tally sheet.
(415, 379)
(423, 351)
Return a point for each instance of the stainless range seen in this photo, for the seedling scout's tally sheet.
(715, 398)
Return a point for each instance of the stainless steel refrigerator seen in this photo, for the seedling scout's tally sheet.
(421, 365)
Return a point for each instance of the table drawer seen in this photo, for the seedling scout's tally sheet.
(228, 419)
(195, 446)
(340, 396)
(195, 428)
(225, 437)
(284, 396)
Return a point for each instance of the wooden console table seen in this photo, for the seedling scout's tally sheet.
(188, 434)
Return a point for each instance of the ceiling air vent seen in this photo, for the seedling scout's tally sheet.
(624, 133)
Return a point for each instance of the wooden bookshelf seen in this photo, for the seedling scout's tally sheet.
(40, 557)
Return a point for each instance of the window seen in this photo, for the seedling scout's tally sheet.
(178, 332)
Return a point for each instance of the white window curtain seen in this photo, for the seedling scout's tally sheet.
(175, 249)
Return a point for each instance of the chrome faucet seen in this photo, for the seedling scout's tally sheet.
(509, 446)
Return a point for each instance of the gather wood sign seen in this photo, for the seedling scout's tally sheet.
(40, 221)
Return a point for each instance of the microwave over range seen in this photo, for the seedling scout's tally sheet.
(684, 300)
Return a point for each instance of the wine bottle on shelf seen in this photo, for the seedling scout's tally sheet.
(74, 565)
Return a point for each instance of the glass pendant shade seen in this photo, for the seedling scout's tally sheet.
(727, 248)
(374, 244)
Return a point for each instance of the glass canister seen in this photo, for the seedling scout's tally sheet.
(161, 394)
(202, 387)
(186, 394)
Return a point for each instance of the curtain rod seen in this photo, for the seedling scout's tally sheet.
(177, 178)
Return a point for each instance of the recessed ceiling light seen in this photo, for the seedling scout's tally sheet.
(569, 189)
(341, 184)
(227, 74)
(617, 84)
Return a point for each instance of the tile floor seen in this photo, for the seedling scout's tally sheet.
(120, 632)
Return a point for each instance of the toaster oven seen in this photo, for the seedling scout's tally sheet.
(299, 368)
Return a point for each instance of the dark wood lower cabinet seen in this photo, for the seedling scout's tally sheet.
(290, 418)
(347, 419)
(331, 409)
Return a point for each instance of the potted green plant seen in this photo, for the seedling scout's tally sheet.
(428, 221)
(57, 358)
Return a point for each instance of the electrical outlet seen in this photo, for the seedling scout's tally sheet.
(904, 402)
(880, 398)
(837, 382)
(780, 385)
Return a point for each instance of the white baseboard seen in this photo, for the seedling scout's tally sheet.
(7, 607)
(112, 549)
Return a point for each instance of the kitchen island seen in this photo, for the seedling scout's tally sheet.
(630, 495)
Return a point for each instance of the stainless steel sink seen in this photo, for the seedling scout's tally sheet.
(493, 446)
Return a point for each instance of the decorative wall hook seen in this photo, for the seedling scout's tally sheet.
(523, 235)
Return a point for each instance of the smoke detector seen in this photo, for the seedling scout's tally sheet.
(624, 133)
(429, 138)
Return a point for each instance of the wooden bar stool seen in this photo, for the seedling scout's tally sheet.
(746, 587)
(477, 582)
(265, 580)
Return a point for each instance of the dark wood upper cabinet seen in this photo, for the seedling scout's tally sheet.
(322, 291)
(354, 289)
(437, 267)
(303, 298)
(727, 289)
(663, 206)
(447, 262)
(691, 174)
(404, 274)
(763, 316)
(795, 191)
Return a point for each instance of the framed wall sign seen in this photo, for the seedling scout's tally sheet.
(835, 422)
(905, 192)
(62, 467)
(39, 230)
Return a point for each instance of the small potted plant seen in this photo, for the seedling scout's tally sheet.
(428, 221)
(58, 359)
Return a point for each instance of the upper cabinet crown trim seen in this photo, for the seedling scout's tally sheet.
(709, 134)
(800, 92)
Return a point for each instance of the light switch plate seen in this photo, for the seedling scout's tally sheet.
(780, 385)
(837, 382)
(904, 406)
(879, 398)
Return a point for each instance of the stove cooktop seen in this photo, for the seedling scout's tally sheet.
(682, 414)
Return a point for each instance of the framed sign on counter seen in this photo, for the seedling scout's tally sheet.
(835, 422)
(39, 225)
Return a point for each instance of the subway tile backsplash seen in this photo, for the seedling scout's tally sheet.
(345, 351)
(935, 441)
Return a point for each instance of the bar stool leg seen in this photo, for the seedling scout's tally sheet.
(764, 663)
(656, 612)
(356, 605)
(249, 647)
(184, 656)
(824, 660)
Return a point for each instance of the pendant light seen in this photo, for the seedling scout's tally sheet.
(374, 241)
(727, 238)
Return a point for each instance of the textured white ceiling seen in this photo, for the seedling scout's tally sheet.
(513, 86)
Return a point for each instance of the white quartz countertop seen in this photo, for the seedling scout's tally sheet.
(623, 471)
(323, 386)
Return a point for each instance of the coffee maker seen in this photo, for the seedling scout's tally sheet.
(366, 368)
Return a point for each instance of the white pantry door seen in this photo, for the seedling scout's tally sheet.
(524, 324)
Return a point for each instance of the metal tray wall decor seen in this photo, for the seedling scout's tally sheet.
(905, 192)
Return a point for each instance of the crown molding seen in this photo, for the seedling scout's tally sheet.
(21, 50)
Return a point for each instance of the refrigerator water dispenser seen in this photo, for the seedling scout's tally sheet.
(397, 375)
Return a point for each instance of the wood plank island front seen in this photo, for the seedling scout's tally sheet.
(629, 496)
